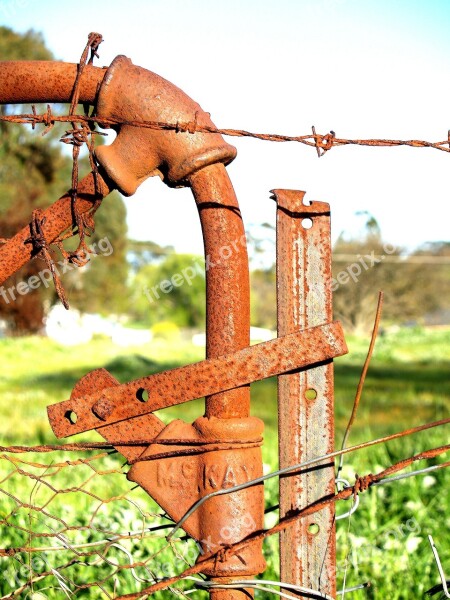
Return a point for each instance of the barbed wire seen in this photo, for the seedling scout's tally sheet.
(227, 551)
(322, 142)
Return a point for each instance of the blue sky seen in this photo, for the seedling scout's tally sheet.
(363, 68)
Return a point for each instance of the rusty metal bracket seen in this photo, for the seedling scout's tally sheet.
(305, 398)
(168, 388)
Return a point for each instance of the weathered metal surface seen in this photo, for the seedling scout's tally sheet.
(227, 280)
(131, 93)
(189, 157)
(141, 428)
(58, 217)
(306, 402)
(212, 376)
(179, 481)
(31, 81)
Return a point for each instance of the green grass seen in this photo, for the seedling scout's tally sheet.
(384, 542)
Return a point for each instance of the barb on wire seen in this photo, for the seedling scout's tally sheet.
(41, 247)
(362, 379)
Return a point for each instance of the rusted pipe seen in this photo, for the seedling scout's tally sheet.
(227, 280)
(188, 158)
(23, 81)
(58, 217)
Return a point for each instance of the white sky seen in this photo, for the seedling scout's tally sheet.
(363, 68)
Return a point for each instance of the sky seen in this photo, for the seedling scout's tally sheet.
(362, 68)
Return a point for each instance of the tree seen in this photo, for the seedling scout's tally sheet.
(365, 265)
(173, 290)
(31, 175)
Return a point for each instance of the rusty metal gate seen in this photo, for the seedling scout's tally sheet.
(206, 475)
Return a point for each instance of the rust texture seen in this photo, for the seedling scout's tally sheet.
(58, 217)
(195, 159)
(218, 377)
(46, 81)
(126, 93)
(306, 401)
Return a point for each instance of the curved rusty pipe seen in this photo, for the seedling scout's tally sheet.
(129, 93)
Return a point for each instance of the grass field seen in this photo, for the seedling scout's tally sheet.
(384, 542)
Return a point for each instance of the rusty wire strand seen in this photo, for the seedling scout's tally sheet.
(81, 446)
(102, 555)
(308, 463)
(362, 379)
(361, 484)
(323, 143)
(80, 134)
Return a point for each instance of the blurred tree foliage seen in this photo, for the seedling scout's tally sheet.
(34, 172)
(183, 302)
(366, 265)
(102, 285)
(416, 284)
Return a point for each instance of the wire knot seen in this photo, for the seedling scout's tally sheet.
(76, 137)
(323, 142)
(94, 41)
(362, 484)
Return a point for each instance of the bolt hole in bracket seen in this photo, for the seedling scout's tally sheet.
(71, 416)
(143, 395)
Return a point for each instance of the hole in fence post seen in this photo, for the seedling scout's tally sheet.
(142, 395)
(310, 394)
(307, 223)
(313, 529)
(71, 416)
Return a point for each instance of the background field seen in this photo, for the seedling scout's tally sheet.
(385, 542)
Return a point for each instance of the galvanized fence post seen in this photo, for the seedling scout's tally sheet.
(305, 397)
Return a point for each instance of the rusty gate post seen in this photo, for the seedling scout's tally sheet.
(306, 401)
